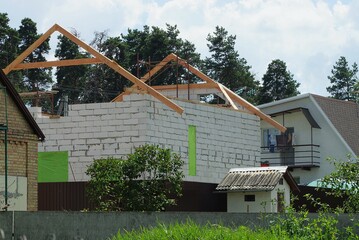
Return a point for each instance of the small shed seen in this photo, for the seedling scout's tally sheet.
(257, 189)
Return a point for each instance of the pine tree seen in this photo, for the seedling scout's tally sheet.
(278, 83)
(343, 80)
(39, 78)
(71, 79)
(226, 67)
(9, 41)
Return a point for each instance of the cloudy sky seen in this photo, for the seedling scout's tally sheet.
(309, 35)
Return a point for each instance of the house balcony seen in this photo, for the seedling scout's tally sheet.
(304, 156)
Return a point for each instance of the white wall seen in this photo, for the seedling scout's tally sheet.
(330, 143)
(225, 138)
(265, 201)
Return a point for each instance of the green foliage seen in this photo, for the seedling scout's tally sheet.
(344, 182)
(70, 79)
(9, 41)
(343, 80)
(226, 67)
(191, 230)
(151, 45)
(103, 83)
(39, 78)
(291, 226)
(146, 181)
(278, 83)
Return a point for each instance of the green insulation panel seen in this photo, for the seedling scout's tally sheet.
(53, 167)
(192, 150)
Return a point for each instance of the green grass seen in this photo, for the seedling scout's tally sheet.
(291, 226)
(191, 230)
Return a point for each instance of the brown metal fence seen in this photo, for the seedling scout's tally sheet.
(59, 196)
(71, 196)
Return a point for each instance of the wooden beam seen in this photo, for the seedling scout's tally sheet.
(230, 94)
(185, 86)
(254, 110)
(158, 67)
(60, 63)
(121, 70)
(30, 49)
(221, 87)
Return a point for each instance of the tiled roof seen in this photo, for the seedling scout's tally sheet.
(344, 115)
(254, 179)
(20, 104)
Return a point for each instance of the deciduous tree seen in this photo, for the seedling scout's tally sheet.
(344, 182)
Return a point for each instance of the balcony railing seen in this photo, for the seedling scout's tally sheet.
(295, 156)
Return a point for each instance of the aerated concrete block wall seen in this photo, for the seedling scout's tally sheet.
(224, 138)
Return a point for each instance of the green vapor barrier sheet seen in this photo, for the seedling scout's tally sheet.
(192, 150)
(53, 167)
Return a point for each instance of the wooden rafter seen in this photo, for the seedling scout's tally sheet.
(61, 63)
(229, 95)
(98, 57)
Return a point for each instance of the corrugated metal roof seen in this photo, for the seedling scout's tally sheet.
(251, 179)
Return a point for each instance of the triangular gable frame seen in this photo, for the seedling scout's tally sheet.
(98, 58)
(229, 95)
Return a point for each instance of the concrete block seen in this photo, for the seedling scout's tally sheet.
(66, 148)
(93, 106)
(101, 135)
(86, 112)
(108, 117)
(85, 135)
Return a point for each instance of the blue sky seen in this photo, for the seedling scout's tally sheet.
(309, 35)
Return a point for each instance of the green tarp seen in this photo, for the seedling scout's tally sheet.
(52, 167)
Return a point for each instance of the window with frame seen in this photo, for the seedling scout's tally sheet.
(250, 198)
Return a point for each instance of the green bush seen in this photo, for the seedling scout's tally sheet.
(147, 180)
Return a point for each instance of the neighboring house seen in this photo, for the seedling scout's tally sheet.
(318, 128)
(259, 189)
(19, 137)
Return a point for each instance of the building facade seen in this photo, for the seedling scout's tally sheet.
(209, 139)
(19, 137)
(318, 128)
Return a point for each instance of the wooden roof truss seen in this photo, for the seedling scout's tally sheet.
(230, 96)
(98, 58)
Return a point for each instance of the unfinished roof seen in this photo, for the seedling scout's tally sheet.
(255, 179)
(233, 99)
(12, 93)
(344, 115)
(99, 58)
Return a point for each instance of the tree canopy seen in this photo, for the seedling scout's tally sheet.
(225, 66)
(343, 80)
(70, 80)
(39, 78)
(344, 182)
(9, 42)
(148, 180)
(278, 83)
